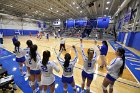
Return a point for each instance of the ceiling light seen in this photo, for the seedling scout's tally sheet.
(77, 7)
(106, 8)
(73, 3)
(51, 8)
(80, 11)
(104, 15)
(57, 11)
(108, 2)
(70, 4)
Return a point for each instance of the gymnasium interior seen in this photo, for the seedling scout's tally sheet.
(46, 22)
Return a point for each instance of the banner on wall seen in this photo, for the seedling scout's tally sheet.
(103, 22)
(120, 24)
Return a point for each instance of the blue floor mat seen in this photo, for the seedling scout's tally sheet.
(132, 60)
(9, 63)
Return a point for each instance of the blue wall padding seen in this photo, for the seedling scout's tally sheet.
(130, 38)
(122, 37)
(119, 36)
(136, 41)
(11, 32)
(103, 22)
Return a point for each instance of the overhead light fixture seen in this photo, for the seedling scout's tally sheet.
(51, 8)
(104, 15)
(80, 11)
(106, 8)
(57, 11)
(77, 7)
(73, 3)
(108, 2)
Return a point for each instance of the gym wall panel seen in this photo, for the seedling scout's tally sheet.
(136, 41)
(11, 32)
(122, 37)
(125, 38)
(130, 38)
(119, 36)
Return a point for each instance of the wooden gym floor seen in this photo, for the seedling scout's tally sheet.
(52, 43)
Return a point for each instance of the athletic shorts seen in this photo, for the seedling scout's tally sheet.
(110, 78)
(68, 80)
(86, 75)
(32, 72)
(47, 80)
(22, 59)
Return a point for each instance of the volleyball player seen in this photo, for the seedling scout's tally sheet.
(88, 68)
(14, 39)
(114, 71)
(29, 44)
(67, 65)
(47, 76)
(62, 44)
(20, 55)
(103, 52)
(35, 73)
(1, 38)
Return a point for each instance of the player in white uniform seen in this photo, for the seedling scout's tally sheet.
(29, 44)
(88, 68)
(67, 65)
(35, 73)
(114, 71)
(20, 55)
(47, 76)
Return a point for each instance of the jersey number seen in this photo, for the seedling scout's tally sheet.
(68, 70)
(44, 69)
(89, 64)
(30, 61)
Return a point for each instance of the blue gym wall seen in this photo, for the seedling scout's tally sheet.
(11, 32)
(133, 39)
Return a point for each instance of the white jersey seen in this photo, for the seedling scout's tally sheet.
(47, 71)
(114, 67)
(68, 72)
(20, 53)
(62, 41)
(88, 65)
(32, 64)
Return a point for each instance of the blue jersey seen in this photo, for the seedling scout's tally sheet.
(103, 50)
(14, 39)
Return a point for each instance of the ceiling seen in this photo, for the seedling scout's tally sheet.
(59, 9)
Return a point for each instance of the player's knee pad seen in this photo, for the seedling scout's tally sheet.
(103, 87)
(74, 87)
(20, 67)
(83, 82)
(39, 84)
(64, 89)
(32, 83)
(87, 88)
(110, 86)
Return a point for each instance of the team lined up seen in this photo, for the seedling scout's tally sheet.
(41, 70)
